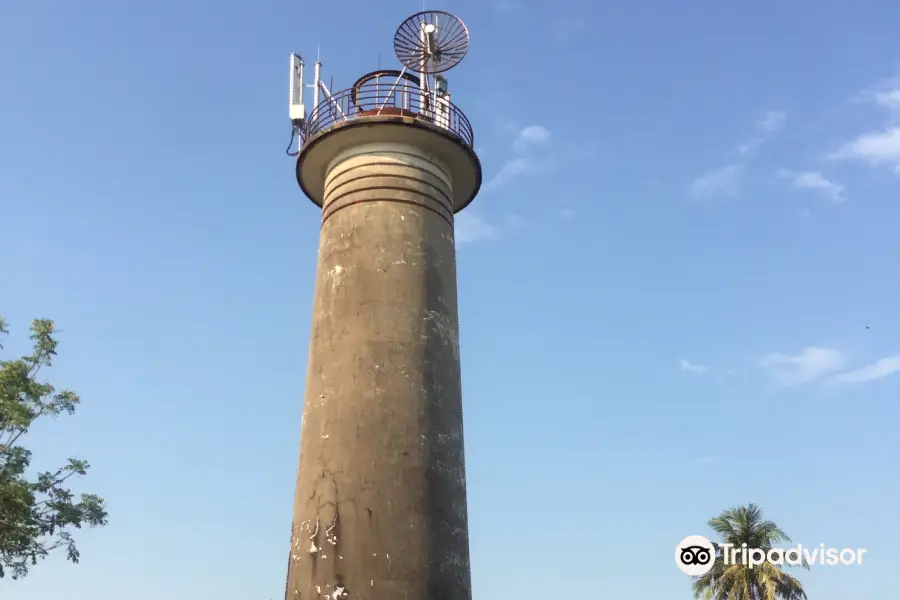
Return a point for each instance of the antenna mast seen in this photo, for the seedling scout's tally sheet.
(432, 42)
(297, 107)
(427, 43)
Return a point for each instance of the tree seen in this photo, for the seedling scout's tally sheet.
(745, 525)
(37, 515)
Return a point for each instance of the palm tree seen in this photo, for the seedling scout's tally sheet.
(745, 525)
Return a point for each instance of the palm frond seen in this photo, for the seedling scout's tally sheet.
(745, 525)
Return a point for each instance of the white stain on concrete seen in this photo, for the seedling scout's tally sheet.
(336, 274)
(312, 539)
(330, 537)
(445, 328)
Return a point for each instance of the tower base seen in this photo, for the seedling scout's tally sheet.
(380, 505)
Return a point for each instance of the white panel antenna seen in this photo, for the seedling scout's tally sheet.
(296, 107)
(297, 110)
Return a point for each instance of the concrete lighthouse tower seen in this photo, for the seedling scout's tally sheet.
(380, 504)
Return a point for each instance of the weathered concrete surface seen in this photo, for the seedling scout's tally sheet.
(380, 506)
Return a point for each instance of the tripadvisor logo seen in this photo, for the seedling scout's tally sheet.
(695, 555)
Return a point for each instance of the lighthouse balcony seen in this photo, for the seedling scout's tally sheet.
(385, 94)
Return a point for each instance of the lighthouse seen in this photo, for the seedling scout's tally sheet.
(380, 505)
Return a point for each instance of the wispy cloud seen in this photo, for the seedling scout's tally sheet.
(530, 137)
(528, 155)
(879, 369)
(511, 169)
(889, 99)
(566, 214)
(815, 182)
(525, 159)
(810, 365)
(880, 147)
(826, 365)
(470, 227)
(877, 149)
(686, 365)
(750, 146)
(772, 121)
(724, 181)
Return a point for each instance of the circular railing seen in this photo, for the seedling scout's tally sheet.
(397, 98)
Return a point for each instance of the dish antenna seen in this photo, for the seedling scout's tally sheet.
(431, 41)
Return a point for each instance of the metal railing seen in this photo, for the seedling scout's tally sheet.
(400, 98)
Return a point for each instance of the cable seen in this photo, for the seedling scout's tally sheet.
(291, 143)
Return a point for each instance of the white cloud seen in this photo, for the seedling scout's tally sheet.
(879, 148)
(528, 140)
(810, 365)
(877, 370)
(529, 137)
(686, 365)
(566, 214)
(750, 146)
(705, 460)
(470, 227)
(889, 99)
(724, 181)
(814, 181)
(772, 121)
(509, 171)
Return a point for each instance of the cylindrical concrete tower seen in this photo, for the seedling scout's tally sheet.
(380, 505)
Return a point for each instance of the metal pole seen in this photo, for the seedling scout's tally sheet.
(330, 97)
(317, 73)
(391, 93)
(423, 81)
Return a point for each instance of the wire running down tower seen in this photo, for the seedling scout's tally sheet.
(380, 504)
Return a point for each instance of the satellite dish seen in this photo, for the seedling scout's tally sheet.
(431, 41)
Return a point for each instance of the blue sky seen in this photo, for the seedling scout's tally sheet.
(678, 288)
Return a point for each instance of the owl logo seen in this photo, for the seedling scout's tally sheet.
(695, 555)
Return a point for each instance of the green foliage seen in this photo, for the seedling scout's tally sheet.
(36, 516)
(745, 525)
